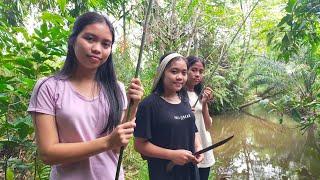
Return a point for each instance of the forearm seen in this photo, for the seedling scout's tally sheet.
(146, 148)
(61, 153)
(206, 116)
(197, 142)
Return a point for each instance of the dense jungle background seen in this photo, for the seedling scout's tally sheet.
(261, 55)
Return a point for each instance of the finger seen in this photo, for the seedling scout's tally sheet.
(136, 81)
(190, 156)
(135, 85)
(127, 131)
(209, 89)
(128, 136)
(135, 98)
(135, 92)
(133, 119)
(189, 152)
(199, 158)
(193, 159)
(205, 94)
(127, 125)
(208, 92)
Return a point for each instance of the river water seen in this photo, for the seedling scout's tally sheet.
(262, 148)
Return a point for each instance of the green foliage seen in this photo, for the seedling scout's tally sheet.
(198, 27)
(266, 74)
(135, 167)
(25, 58)
(298, 28)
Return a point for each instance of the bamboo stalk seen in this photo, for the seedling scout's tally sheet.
(147, 17)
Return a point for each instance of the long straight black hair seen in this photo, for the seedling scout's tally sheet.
(159, 89)
(191, 60)
(105, 74)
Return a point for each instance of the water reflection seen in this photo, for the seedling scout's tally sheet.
(263, 149)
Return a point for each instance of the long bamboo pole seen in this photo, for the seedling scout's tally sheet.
(147, 17)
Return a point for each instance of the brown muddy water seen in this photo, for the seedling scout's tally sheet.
(262, 148)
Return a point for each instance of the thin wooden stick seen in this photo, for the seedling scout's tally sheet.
(136, 75)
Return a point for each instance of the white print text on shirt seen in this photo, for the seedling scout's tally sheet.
(182, 117)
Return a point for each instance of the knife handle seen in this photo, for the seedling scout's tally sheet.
(170, 166)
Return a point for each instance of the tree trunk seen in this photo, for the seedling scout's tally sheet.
(258, 100)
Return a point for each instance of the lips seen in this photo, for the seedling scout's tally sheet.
(178, 84)
(197, 80)
(94, 58)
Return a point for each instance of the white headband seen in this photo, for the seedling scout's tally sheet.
(162, 66)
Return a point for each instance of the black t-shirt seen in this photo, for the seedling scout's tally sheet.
(171, 126)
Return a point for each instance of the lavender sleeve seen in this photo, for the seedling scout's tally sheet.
(42, 98)
(124, 95)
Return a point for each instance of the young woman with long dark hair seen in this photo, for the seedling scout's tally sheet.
(77, 113)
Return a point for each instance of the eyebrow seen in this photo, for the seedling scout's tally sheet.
(92, 34)
(176, 68)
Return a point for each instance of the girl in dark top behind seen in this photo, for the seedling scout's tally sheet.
(166, 129)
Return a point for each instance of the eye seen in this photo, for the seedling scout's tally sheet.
(174, 71)
(89, 38)
(106, 45)
(184, 73)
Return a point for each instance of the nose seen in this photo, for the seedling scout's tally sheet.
(197, 74)
(96, 48)
(179, 76)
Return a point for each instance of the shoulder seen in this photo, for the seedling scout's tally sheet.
(49, 84)
(46, 82)
(192, 96)
(149, 100)
(120, 84)
(122, 88)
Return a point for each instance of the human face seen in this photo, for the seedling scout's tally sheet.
(93, 46)
(195, 73)
(175, 76)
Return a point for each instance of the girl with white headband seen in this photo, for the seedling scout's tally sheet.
(166, 129)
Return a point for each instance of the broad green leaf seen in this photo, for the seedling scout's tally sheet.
(10, 174)
(42, 47)
(290, 5)
(287, 19)
(62, 5)
(24, 129)
(53, 18)
(9, 144)
(295, 115)
(9, 87)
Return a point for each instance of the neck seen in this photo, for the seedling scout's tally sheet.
(171, 97)
(167, 94)
(85, 84)
(84, 75)
(189, 87)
